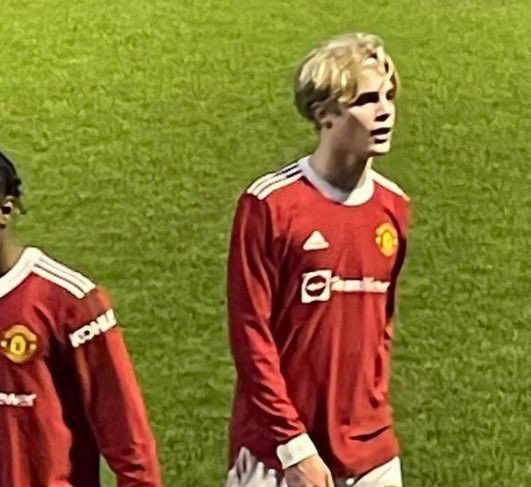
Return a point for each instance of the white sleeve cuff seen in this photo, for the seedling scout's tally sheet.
(296, 450)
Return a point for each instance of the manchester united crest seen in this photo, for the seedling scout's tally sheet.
(387, 239)
(18, 343)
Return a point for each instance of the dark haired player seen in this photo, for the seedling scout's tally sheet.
(67, 387)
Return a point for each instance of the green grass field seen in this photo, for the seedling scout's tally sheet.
(136, 124)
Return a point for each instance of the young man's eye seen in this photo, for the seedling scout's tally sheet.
(364, 99)
(390, 95)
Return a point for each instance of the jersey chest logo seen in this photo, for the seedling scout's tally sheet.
(18, 343)
(319, 285)
(387, 239)
(315, 241)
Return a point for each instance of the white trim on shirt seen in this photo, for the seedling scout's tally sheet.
(20, 271)
(359, 195)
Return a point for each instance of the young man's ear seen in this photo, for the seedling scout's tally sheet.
(324, 112)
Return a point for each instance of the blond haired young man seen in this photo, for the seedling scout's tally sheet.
(315, 255)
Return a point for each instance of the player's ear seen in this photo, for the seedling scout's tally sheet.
(323, 113)
(7, 208)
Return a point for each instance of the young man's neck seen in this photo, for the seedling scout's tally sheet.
(342, 170)
(10, 252)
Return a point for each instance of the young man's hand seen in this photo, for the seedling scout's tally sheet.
(310, 472)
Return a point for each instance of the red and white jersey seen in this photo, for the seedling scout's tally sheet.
(68, 391)
(312, 277)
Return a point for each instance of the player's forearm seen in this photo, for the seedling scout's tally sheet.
(260, 377)
(116, 411)
(268, 396)
(130, 449)
(271, 403)
(136, 468)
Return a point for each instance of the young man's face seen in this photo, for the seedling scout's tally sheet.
(364, 126)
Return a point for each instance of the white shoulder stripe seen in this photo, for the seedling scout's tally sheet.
(259, 181)
(264, 179)
(263, 183)
(20, 271)
(278, 184)
(388, 184)
(66, 273)
(72, 289)
(276, 179)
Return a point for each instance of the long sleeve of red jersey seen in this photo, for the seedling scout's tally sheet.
(403, 225)
(252, 281)
(110, 392)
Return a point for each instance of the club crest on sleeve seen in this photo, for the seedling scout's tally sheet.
(387, 239)
(18, 343)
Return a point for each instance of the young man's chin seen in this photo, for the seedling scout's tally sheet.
(381, 148)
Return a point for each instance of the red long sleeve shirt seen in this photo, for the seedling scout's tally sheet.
(311, 288)
(68, 391)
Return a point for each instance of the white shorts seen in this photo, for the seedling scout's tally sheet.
(249, 472)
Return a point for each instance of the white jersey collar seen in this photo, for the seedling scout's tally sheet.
(359, 195)
(20, 271)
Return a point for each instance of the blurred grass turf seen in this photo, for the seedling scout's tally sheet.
(137, 124)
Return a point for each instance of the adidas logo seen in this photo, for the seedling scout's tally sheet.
(315, 241)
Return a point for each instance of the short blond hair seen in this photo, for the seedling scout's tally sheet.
(330, 72)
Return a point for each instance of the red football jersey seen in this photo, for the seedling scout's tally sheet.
(312, 277)
(68, 391)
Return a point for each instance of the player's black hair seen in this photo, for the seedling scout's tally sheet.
(10, 182)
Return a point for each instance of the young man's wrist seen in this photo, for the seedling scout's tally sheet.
(296, 450)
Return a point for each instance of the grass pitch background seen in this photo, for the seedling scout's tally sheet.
(137, 124)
